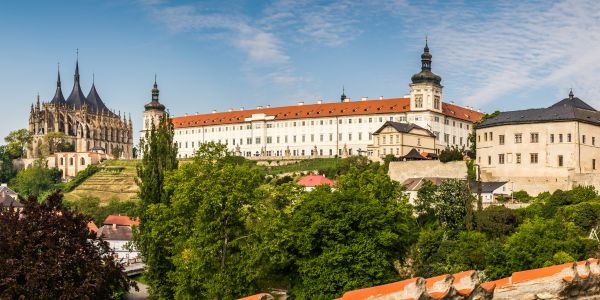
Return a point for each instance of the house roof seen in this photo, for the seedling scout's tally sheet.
(92, 227)
(7, 190)
(549, 281)
(260, 296)
(568, 109)
(8, 201)
(116, 233)
(120, 220)
(315, 180)
(336, 109)
(487, 187)
(402, 127)
(413, 154)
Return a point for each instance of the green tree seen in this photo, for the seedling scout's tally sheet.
(425, 202)
(454, 206)
(496, 221)
(349, 238)
(537, 241)
(7, 170)
(116, 152)
(451, 154)
(159, 157)
(46, 253)
(212, 259)
(36, 180)
(17, 142)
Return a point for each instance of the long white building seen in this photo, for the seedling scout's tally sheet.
(329, 129)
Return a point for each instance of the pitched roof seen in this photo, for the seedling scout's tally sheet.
(116, 233)
(568, 109)
(402, 127)
(95, 103)
(120, 220)
(260, 296)
(315, 180)
(336, 109)
(8, 201)
(488, 186)
(413, 154)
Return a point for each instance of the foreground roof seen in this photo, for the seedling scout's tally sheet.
(336, 109)
(116, 233)
(8, 201)
(568, 109)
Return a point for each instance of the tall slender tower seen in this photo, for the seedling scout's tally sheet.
(153, 111)
(425, 89)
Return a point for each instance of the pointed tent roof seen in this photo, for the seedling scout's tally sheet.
(94, 101)
(76, 99)
(413, 154)
(58, 96)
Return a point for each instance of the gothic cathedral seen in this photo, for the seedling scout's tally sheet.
(85, 121)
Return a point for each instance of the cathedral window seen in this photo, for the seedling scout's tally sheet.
(418, 101)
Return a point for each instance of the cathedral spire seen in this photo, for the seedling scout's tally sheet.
(343, 96)
(77, 99)
(58, 99)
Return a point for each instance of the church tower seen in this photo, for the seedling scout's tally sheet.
(425, 89)
(153, 111)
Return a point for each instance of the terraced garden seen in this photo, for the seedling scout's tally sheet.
(115, 180)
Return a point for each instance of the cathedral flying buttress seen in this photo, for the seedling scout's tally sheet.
(87, 124)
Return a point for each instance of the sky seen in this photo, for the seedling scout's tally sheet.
(220, 55)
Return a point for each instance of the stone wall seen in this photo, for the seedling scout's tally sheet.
(402, 170)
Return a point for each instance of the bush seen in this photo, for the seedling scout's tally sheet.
(451, 154)
(521, 196)
(497, 221)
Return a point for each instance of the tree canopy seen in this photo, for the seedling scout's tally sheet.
(47, 252)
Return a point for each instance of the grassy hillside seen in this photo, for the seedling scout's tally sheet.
(115, 180)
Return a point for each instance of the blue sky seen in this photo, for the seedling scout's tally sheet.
(492, 55)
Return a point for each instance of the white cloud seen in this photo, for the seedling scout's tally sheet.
(512, 47)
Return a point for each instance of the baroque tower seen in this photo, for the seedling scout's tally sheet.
(153, 111)
(425, 89)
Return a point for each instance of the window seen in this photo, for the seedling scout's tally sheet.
(560, 138)
(360, 136)
(533, 158)
(418, 142)
(501, 139)
(349, 121)
(518, 158)
(269, 140)
(331, 137)
(349, 136)
(485, 136)
(593, 140)
(551, 138)
(560, 160)
(535, 137)
(594, 164)
(82, 161)
(583, 139)
(340, 137)
(321, 138)
(312, 137)
(248, 141)
(489, 160)
(518, 138)
(436, 102)
(258, 140)
(418, 101)
(61, 161)
(294, 139)
(446, 138)
(501, 159)
(568, 137)
(70, 161)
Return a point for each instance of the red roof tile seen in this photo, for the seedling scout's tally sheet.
(534, 274)
(260, 296)
(92, 227)
(120, 220)
(315, 180)
(379, 290)
(334, 109)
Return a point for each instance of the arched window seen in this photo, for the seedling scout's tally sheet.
(82, 161)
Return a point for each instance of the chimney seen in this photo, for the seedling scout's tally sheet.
(214, 111)
(242, 108)
(268, 105)
(364, 98)
(230, 110)
(185, 114)
(114, 227)
(300, 103)
(347, 100)
(380, 97)
(259, 107)
(319, 101)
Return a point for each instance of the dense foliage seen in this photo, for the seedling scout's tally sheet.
(159, 156)
(92, 207)
(47, 252)
(451, 154)
(17, 142)
(36, 180)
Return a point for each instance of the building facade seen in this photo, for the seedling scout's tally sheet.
(542, 149)
(71, 163)
(86, 122)
(399, 139)
(329, 129)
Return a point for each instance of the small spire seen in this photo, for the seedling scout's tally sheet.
(93, 78)
(58, 80)
(154, 79)
(571, 95)
(426, 45)
(343, 96)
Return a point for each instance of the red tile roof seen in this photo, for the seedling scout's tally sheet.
(260, 296)
(380, 290)
(335, 109)
(92, 227)
(120, 220)
(315, 180)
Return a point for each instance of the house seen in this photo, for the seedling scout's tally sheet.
(309, 182)
(71, 163)
(542, 149)
(400, 139)
(490, 191)
(5, 189)
(118, 231)
(7, 201)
